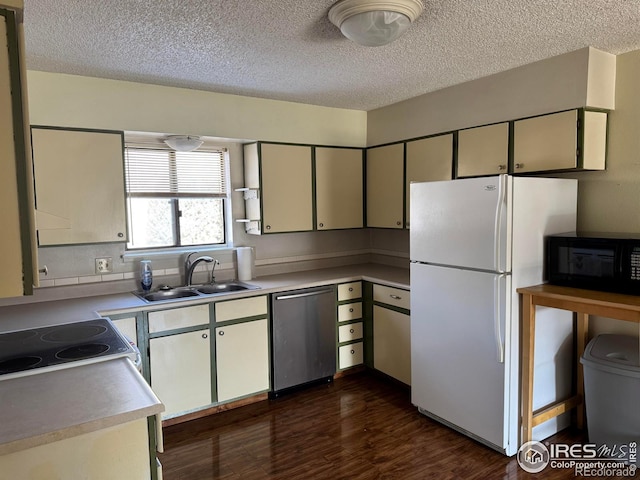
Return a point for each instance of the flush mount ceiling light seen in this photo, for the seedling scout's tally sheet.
(374, 22)
(183, 143)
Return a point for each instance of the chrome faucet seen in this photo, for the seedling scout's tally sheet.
(190, 266)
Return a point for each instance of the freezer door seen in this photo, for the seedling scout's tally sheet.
(458, 362)
(461, 222)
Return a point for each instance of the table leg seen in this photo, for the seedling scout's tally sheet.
(526, 365)
(582, 334)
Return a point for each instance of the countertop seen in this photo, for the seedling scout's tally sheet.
(20, 317)
(49, 406)
(46, 407)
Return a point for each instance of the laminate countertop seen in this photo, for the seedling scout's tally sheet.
(44, 407)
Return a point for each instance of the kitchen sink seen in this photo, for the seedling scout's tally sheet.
(171, 294)
(222, 288)
(168, 293)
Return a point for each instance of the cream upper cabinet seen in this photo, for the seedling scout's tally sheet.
(429, 159)
(339, 189)
(575, 139)
(280, 180)
(385, 186)
(16, 194)
(79, 184)
(483, 150)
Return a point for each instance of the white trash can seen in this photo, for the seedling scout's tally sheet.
(612, 389)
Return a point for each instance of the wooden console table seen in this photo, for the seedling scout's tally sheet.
(583, 303)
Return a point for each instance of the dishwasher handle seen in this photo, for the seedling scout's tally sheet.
(306, 294)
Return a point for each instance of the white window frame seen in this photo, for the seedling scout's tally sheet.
(157, 141)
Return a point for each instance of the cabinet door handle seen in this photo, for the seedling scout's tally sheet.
(321, 225)
(268, 227)
(519, 165)
(395, 297)
(398, 223)
(221, 333)
(502, 167)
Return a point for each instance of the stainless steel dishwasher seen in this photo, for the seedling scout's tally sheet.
(304, 337)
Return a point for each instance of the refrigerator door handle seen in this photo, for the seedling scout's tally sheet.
(497, 303)
(497, 237)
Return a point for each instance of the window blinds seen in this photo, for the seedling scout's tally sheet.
(157, 172)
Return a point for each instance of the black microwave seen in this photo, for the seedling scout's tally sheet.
(596, 261)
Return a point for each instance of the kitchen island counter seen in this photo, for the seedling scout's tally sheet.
(41, 408)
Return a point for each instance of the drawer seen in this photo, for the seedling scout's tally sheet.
(174, 318)
(349, 311)
(346, 333)
(349, 291)
(241, 308)
(351, 355)
(392, 296)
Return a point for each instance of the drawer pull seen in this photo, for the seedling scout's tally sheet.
(395, 297)
(353, 352)
(351, 330)
(351, 310)
(351, 289)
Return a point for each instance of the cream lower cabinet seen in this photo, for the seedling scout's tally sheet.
(385, 186)
(339, 188)
(392, 332)
(242, 347)
(575, 139)
(483, 150)
(350, 325)
(127, 326)
(113, 453)
(181, 371)
(180, 361)
(428, 160)
(79, 186)
(242, 359)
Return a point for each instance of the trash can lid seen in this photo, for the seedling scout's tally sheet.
(621, 351)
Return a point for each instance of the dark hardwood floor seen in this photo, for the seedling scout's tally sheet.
(360, 427)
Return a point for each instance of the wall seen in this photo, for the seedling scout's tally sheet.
(610, 200)
(75, 101)
(576, 79)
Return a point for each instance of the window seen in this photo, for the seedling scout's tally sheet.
(174, 198)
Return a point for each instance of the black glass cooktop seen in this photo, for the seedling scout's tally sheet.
(54, 345)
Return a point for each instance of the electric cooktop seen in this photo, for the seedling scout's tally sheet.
(26, 351)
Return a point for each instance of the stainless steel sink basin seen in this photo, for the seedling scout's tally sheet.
(168, 293)
(221, 288)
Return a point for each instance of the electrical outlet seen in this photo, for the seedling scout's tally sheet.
(104, 265)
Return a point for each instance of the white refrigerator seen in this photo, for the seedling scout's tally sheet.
(472, 243)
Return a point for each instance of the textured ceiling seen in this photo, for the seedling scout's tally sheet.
(288, 49)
